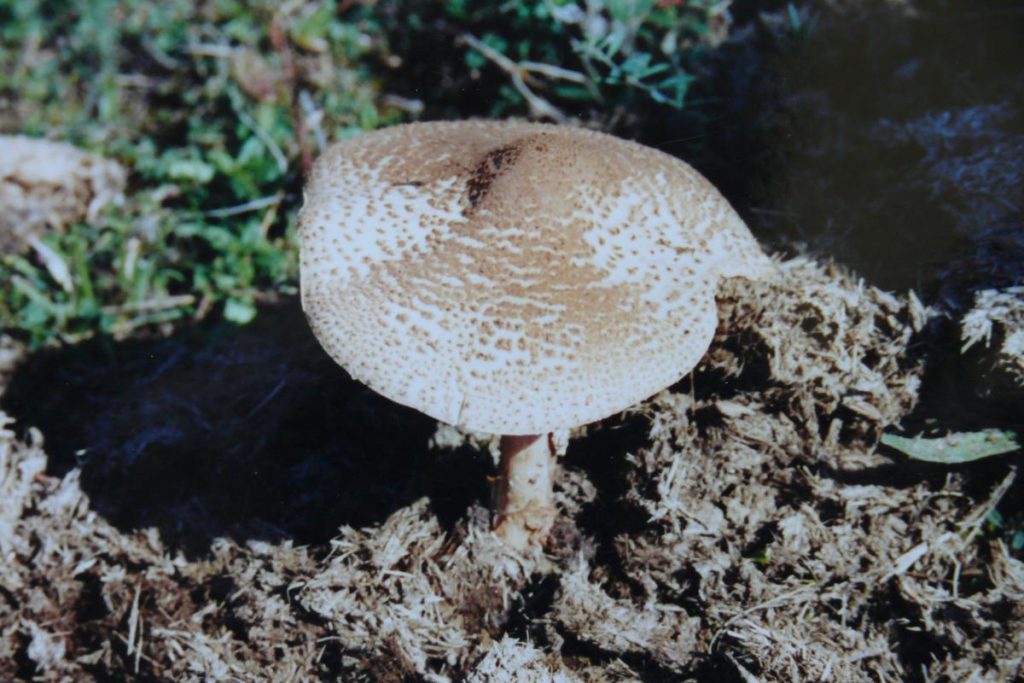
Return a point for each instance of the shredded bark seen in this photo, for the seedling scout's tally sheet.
(742, 523)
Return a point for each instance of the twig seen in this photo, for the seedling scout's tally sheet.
(552, 71)
(539, 107)
(269, 217)
(254, 205)
(138, 645)
(149, 305)
(279, 41)
(135, 628)
(406, 104)
(313, 117)
(802, 592)
(210, 50)
(267, 399)
(142, 656)
(970, 527)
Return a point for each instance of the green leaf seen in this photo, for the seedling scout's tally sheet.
(638, 65)
(239, 311)
(190, 169)
(795, 24)
(456, 9)
(955, 448)
(995, 519)
(310, 31)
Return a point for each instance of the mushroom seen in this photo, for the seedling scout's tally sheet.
(517, 279)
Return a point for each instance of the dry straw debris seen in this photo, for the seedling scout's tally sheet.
(511, 659)
(409, 592)
(753, 531)
(45, 184)
(998, 317)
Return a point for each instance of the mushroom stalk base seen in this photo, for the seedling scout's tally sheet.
(523, 495)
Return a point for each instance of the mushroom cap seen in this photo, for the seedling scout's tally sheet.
(514, 278)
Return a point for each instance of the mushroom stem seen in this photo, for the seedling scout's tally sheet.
(523, 495)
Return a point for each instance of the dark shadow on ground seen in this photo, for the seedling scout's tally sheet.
(886, 140)
(248, 432)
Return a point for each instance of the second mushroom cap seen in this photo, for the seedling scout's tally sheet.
(514, 278)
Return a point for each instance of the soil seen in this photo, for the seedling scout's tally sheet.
(224, 504)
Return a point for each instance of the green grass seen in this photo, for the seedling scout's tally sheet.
(196, 101)
(216, 109)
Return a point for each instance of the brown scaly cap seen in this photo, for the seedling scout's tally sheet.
(514, 278)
